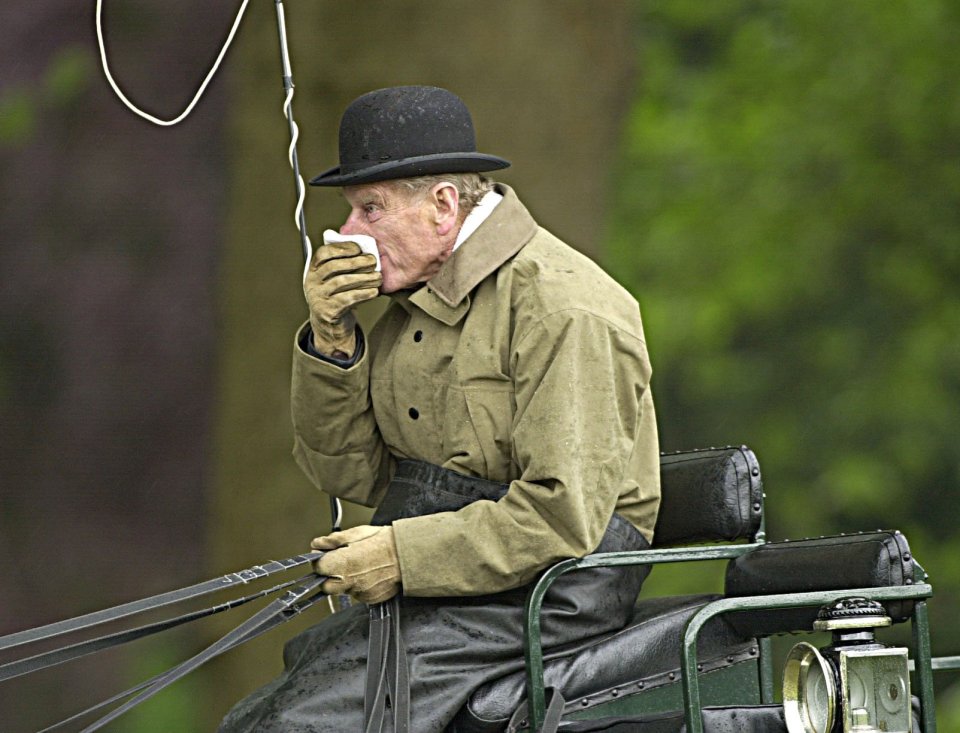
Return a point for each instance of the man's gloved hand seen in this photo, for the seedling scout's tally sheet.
(361, 562)
(341, 275)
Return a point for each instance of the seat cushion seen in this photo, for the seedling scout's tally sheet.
(641, 657)
(861, 560)
(708, 495)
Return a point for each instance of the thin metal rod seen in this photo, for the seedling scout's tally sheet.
(766, 671)
(336, 509)
(294, 135)
(924, 671)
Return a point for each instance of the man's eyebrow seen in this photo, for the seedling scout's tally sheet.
(373, 196)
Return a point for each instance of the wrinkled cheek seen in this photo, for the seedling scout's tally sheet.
(389, 274)
(390, 263)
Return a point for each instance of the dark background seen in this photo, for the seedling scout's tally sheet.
(778, 185)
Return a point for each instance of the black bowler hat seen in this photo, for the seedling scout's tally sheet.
(406, 131)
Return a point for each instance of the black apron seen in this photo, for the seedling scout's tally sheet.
(453, 644)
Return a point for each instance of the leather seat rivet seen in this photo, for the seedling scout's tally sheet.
(614, 692)
(585, 701)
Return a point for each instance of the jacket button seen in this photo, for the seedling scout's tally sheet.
(418, 336)
(414, 413)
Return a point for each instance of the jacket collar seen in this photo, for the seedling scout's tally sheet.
(496, 240)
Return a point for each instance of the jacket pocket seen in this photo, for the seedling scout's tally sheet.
(491, 418)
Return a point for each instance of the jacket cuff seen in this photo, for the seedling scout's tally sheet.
(306, 346)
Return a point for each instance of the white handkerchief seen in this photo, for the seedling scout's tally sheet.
(367, 243)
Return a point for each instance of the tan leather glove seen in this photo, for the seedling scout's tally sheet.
(361, 562)
(340, 277)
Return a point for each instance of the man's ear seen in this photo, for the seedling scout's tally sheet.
(446, 199)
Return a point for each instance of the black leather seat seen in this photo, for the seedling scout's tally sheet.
(641, 659)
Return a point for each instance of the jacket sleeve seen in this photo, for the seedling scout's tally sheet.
(581, 384)
(336, 440)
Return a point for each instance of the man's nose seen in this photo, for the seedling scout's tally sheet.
(352, 225)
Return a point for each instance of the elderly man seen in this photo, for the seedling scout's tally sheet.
(499, 415)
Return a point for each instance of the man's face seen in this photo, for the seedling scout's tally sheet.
(411, 230)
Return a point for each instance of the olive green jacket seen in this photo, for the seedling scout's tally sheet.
(521, 361)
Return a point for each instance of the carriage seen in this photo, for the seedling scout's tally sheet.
(688, 663)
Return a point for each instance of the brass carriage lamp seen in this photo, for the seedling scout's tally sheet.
(855, 685)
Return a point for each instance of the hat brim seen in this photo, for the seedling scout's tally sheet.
(420, 165)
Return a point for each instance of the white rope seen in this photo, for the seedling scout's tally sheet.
(301, 189)
(203, 86)
(287, 111)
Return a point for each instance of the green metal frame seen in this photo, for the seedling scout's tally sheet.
(921, 631)
(533, 646)
(533, 649)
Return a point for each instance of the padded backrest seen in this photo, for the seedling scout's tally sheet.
(862, 560)
(710, 495)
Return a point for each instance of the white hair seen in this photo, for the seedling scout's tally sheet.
(471, 186)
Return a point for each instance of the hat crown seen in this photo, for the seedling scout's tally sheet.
(406, 131)
(404, 122)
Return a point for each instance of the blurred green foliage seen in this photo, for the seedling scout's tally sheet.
(17, 117)
(69, 75)
(787, 214)
(178, 707)
(65, 79)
